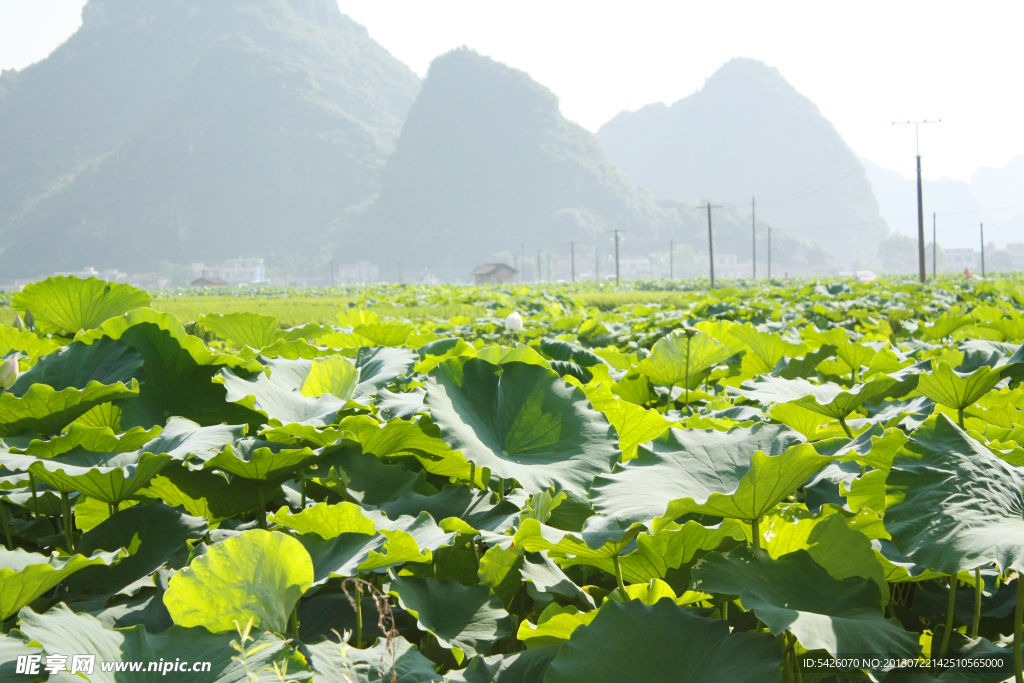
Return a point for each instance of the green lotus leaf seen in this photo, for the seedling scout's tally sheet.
(152, 533)
(685, 464)
(679, 360)
(543, 577)
(46, 498)
(632, 642)
(839, 549)
(770, 480)
(472, 506)
(957, 390)
(110, 477)
(812, 424)
(793, 593)
(178, 368)
(953, 504)
(851, 353)
(64, 385)
(467, 620)
(828, 399)
(335, 375)
(945, 325)
(258, 574)
(522, 422)
(24, 576)
(385, 333)
(256, 330)
(31, 345)
(206, 494)
(517, 353)
(557, 349)
(334, 662)
(634, 424)
(554, 626)
(86, 438)
(61, 631)
(671, 547)
(69, 305)
(89, 512)
(517, 667)
(401, 439)
(363, 477)
(258, 459)
(584, 548)
(327, 521)
(769, 348)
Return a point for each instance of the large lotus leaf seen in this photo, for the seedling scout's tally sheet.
(400, 439)
(68, 304)
(441, 350)
(206, 494)
(182, 439)
(542, 575)
(178, 370)
(631, 642)
(256, 330)
(812, 424)
(793, 593)
(472, 506)
(521, 421)
(517, 353)
(100, 439)
(400, 405)
(768, 347)
(558, 349)
(853, 354)
(65, 385)
(955, 389)
(278, 397)
(680, 360)
(31, 345)
(379, 367)
(363, 477)
(517, 667)
(334, 662)
(152, 533)
(258, 574)
(110, 477)
(554, 626)
(589, 547)
(670, 548)
(258, 459)
(25, 576)
(385, 333)
(61, 631)
(828, 399)
(46, 498)
(839, 549)
(335, 375)
(327, 521)
(770, 480)
(685, 463)
(468, 620)
(634, 424)
(952, 504)
(11, 650)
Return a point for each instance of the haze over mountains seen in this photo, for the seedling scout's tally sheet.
(175, 131)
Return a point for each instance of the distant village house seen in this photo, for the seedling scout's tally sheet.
(493, 272)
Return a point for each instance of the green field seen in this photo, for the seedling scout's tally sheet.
(532, 483)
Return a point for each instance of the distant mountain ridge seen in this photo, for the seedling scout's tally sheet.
(169, 129)
(749, 133)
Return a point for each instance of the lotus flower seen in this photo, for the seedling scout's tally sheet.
(18, 324)
(514, 322)
(9, 372)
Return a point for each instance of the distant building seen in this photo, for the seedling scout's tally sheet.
(493, 272)
(208, 282)
(958, 259)
(1016, 252)
(236, 271)
(108, 275)
(359, 273)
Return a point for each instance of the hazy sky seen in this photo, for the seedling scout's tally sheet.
(864, 63)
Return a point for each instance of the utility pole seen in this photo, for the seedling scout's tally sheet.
(769, 252)
(572, 260)
(935, 249)
(982, 249)
(711, 242)
(540, 275)
(753, 233)
(920, 200)
(671, 250)
(616, 257)
(515, 267)
(549, 266)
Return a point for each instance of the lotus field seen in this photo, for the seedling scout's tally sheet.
(772, 482)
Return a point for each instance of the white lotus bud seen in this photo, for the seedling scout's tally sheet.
(18, 324)
(514, 322)
(9, 372)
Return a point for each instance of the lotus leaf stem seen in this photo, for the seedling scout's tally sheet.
(35, 498)
(618, 575)
(294, 619)
(7, 527)
(69, 536)
(755, 532)
(1018, 616)
(787, 666)
(359, 616)
(978, 585)
(302, 484)
(261, 513)
(688, 337)
(960, 417)
(949, 616)
(113, 509)
(846, 428)
(472, 475)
